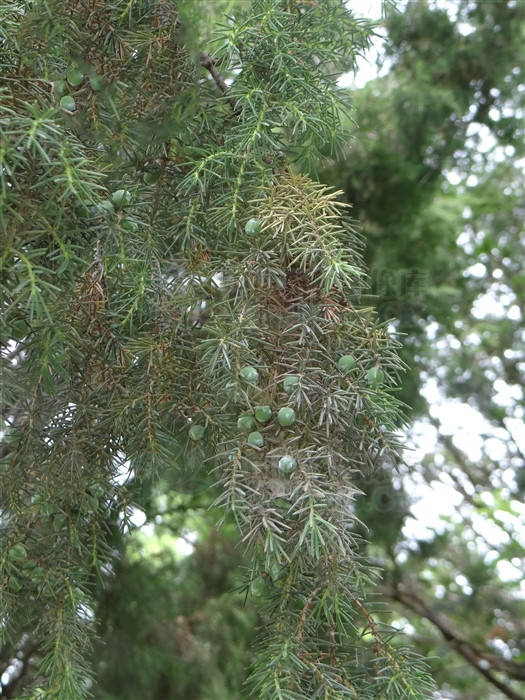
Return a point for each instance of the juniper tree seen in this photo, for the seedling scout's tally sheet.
(179, 295)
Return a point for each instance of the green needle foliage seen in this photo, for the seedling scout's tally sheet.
(133, 294)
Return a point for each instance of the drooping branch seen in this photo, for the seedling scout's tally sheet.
(483, 662)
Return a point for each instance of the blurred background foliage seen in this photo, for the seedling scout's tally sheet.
(433, 169)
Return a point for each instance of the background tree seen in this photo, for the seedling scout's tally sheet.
(178, 297)
(445, 260)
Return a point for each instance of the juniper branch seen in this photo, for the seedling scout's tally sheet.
(207, 62)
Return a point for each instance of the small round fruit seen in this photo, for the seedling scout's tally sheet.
(252, 227)
(375, 376)
(68, 103)
(90, 505)
(129, 225)
(59, 87)
(263, 413)
(346, 363)
(82, 211)
(18, 553)
(286, 416)
(121, 198)
(245, 423)
(250, 374)
(290, 383)
(105, 207)
(255, 439)
(96, 83)
(47, 508)
(287, 465)
(150, 178)
(196, 432)
(38, 574)
(258, 587)
(299, 602)
(75, 77)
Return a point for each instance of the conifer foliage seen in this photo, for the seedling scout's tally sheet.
(174, 290)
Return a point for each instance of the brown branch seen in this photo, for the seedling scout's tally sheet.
(207, 62)
(462, 461)
(476, 657)
(304, 613)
